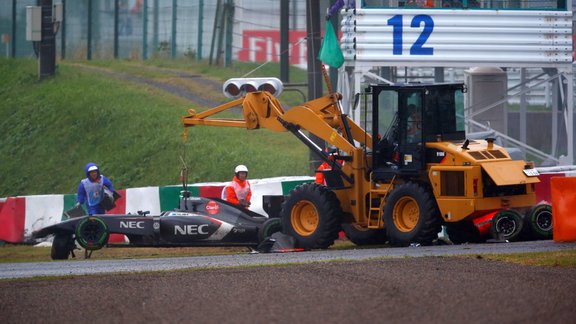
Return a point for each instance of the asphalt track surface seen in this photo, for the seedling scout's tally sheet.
(94, 266)
(429, 286)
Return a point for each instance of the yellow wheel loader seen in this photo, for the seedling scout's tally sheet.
(399, 178)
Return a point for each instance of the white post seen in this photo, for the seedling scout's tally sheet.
(570, 120)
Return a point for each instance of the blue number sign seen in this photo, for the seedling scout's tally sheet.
(418, 47)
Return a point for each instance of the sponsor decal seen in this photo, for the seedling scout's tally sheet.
(180, 214)
(440, 153)
(212, 207)
(191, 229)
(156, 225)
(407, 158)
(132, 224)
(264, 46)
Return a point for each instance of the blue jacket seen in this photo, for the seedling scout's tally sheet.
(91, 192)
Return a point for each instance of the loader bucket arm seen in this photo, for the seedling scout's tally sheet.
(321, 117)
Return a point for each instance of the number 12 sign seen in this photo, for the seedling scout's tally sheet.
(417, 47)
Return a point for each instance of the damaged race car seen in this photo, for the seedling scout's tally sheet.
(196, 222)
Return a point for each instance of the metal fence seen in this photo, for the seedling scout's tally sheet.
(244, 30)
(141, 29)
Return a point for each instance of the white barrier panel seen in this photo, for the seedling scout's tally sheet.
(144, 199)
(42, 211)
(261, 188)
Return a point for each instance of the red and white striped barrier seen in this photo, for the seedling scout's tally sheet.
(20, 216)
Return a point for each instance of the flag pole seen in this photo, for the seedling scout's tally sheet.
(326, 79)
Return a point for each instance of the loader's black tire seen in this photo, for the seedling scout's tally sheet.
(364, 236)
(411, 215)
(62, 245)
(506, 225)
(311, 214)
(269, 227)
(463, 232)
(92, 233)
(539, 222)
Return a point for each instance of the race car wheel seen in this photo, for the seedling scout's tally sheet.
(92, 233)
(506, 225)
(539, 221)
(364, 236)
(269, 227)
(311, 214)
(62, 245)
(411, 215)
(463, 232)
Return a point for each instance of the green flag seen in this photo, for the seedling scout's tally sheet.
(330, 52)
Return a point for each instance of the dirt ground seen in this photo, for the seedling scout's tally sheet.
(410, 290)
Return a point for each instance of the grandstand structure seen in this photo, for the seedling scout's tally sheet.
(525, 45)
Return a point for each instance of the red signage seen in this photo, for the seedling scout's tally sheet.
(212, 207)
(264, 45)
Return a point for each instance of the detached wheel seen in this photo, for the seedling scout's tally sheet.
(364, 236)
(506, 225)
(62, 245)
(411, 216)
(539, 221)
(92, 233)
(312, 214)
(269, 227)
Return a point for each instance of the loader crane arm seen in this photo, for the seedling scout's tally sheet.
(321, 117)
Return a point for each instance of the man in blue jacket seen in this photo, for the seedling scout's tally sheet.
(96, 191)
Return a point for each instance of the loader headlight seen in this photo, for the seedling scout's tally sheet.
(232, 89)
(238, 87)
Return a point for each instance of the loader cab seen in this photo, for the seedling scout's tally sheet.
(406, 116)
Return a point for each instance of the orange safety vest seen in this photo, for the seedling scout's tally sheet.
(237, 190)
(320, 175)
(324, 166)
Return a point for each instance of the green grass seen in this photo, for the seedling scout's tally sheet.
(564, 258)
(51, 129)
(10, 253)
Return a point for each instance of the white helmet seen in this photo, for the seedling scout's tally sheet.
(241, 168)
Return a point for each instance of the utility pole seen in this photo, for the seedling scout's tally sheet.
(284, 40)
(13, 36)
(47, 48)
(314, 66)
